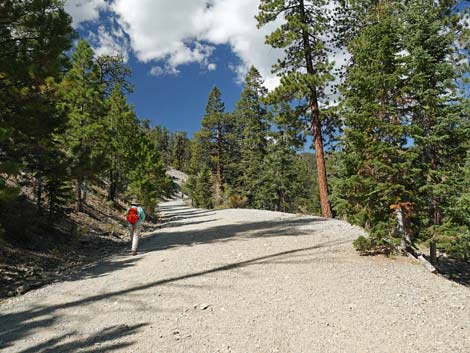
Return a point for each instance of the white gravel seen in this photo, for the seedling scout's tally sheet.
(243, 281)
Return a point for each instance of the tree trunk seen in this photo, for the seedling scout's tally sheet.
(51, 208)
(112, 186)
(316, 126)
(38, 196)
(84, 192)
(320, 159)
(78, 196)
(437, 216)
(433, 253)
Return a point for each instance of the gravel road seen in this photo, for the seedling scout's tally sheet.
(243, 281)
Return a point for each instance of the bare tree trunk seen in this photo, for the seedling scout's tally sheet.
(437, 216)
(84, 192)
(433, 252)
(38, 196)
(316, 126)
(402, 211)
(78, 196)
(112, 186)
(52, 198)
(401, 229)
(320, 159)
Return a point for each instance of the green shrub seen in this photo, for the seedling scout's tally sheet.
(375, 245)
(362, 244)
(455, 241)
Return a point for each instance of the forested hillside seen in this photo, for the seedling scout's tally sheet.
(71, 146)
(390, 130)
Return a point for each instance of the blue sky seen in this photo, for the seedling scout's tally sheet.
(178, 51)
(178, 102)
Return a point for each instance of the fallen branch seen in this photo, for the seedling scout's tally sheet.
(412, 253)
(427, 264)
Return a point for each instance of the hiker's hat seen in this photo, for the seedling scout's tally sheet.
(135, 202)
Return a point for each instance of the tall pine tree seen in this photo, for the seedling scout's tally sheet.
(305, 68)
(374, 165)
(82, 99)
(251, 117)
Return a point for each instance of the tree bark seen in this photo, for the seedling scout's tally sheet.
(320, 159)
(84, 192)
(433, 252)
(316, 125)
(39, 196)
(112, 185)
(52, 198)
(437, 216)
(78, 196)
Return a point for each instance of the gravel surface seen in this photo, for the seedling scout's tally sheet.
(243, 281)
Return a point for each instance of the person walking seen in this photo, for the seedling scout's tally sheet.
(135, 218)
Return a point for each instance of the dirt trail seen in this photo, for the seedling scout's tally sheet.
(243, 281)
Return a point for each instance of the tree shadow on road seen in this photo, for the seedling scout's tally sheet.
(162, 239)
(100, 342)
(187, 214)
(18, 326)
(175, 223)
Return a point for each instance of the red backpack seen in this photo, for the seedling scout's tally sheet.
(133, 215)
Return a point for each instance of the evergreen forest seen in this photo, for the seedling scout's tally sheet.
(383, 142)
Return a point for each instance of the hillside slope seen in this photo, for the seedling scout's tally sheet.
(38, 253)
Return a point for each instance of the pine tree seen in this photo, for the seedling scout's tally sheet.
(374, 164)
(279, 182)
(213, 131)
(202, 189)
(34, 38)
(438, 123)
(305, 69)
(453, 234)
(180, 151)
(161, 138)
(121, 131)
(147, 179)
(113, 72)
(404, 127)
(82, 100)
(251, 117)
(218, 147)
(231, 153)
(309, 196)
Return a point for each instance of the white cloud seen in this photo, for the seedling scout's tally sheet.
(163, 71)
(233, 22)
(113, 42)
(174, 33)
(84, 10)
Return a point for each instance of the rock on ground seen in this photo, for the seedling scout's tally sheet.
(243, 281)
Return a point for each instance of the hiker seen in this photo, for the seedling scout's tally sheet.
(135, 218)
